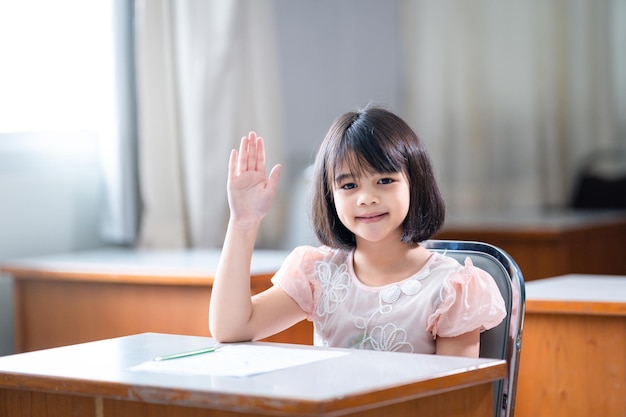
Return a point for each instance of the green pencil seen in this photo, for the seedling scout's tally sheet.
(185, 354)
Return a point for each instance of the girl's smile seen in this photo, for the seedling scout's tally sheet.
(371, 218)
(373, 205)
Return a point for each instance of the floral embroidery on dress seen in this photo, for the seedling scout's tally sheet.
(335, 281)
(403, 316)
(411, 286)
(388, 338)
(390, 294)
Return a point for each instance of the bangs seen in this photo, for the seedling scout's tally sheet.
(360, 153)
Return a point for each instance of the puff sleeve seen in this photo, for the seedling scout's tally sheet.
(295, 277)
(469, 299)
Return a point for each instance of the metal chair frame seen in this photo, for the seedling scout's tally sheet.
(505, 340)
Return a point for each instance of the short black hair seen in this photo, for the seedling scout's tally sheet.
(375, 140)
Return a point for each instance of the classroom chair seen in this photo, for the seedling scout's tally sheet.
(505, 340)
(601, 181)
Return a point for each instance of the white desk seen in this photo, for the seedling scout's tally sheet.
(549, 243)
(577, 289)
(96, 379)
(92, 295)
(573, 360)
(187, 266)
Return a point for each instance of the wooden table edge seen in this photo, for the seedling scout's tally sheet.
(474, 376)
(548, 306)
(20, 273)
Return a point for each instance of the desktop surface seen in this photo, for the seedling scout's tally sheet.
(355, 381)
(192, 266)
(579, 287)
(578, 294)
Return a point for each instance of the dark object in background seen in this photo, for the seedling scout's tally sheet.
(601, 182)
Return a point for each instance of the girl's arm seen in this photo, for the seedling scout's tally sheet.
(233, 314)
(467, 344)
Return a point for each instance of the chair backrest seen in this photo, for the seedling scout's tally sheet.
(505, 340)
(601, 181)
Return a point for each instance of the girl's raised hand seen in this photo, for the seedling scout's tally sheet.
(250, 193)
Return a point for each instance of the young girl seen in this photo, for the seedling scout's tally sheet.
(371, 285)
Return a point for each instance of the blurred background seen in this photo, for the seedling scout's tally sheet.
(117, 116)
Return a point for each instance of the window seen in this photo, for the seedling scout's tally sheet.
(57, 70)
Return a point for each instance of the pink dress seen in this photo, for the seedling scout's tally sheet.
(443, 299)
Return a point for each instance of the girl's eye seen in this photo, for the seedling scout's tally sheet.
(348, 186)
(385, 181)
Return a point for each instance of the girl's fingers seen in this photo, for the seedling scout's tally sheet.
(273, 179)
(242, 161)
(252, 151)
(251, 155)
(232, 165)
(260, 158)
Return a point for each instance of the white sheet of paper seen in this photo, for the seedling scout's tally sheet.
(239, 361)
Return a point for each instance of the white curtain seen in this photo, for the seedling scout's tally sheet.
(208, 74)
(509, 96)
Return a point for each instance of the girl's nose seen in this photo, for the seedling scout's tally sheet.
(366, 197)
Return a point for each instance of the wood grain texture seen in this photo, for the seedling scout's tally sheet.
(468, 402)
(572, 365)
(602, 308)
(24, 403)
(543, 251)
(473, 401)
(52, 311)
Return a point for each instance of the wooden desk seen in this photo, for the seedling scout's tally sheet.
(95, 380)
(93, 295)
(573, 360)
(551, 243)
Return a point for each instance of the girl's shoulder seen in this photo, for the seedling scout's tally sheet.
(302, 264)
(450, 269)
(310, 255)
(442, 263)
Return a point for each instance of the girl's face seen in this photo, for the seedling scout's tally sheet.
(373, 206)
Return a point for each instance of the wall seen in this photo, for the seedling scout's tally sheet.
(335, 56)
(50, 192)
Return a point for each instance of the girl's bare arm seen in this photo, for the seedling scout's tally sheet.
(233, 314)
(467, 344)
